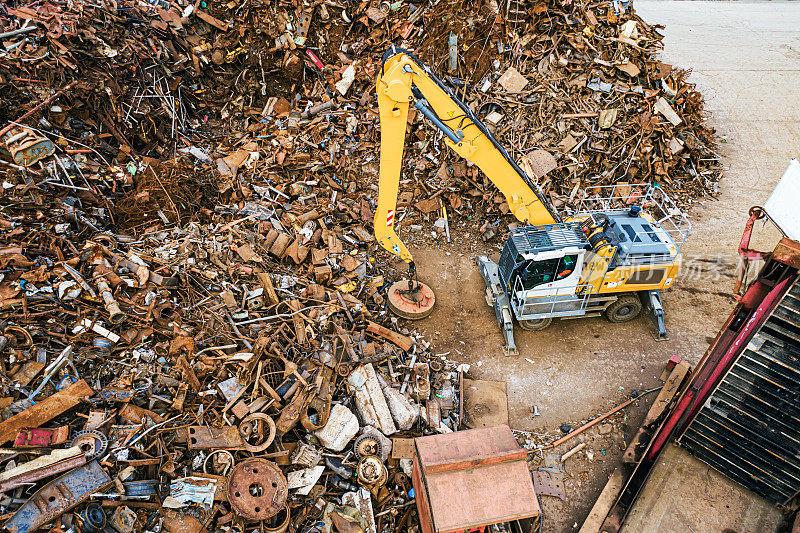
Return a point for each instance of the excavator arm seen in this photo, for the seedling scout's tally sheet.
(404, 80)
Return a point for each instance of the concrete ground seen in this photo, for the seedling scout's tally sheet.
(684, 494)
(746, 60)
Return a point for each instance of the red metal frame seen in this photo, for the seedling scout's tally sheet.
(707, 378)
(745, 252)
(776, 277)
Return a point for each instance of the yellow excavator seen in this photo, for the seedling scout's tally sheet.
(610, 256)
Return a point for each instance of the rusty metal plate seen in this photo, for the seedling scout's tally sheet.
(28, 371)
(541, 162)
(402, 448)
(549, 483)
(204, 438)
(787, 251)
(59, 496)
(40, 437)
(257, 489)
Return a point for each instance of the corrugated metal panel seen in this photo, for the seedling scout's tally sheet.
(749, 429)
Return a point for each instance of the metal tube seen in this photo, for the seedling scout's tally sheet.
(115, 313)
(20, 31)
(422, 105)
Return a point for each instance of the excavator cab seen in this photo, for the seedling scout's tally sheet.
(533, 273)
(541, 269)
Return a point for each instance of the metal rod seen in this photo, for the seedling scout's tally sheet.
(20, 31)
(600, 418)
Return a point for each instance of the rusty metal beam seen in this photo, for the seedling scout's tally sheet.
(45, 410)
(58, 497)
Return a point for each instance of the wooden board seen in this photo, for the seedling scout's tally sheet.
(670, 389)
(485, 402)
(604, 502)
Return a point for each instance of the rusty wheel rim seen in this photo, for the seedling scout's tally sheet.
(257, 489)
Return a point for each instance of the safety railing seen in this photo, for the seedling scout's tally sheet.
(543, 302)
(670, 225)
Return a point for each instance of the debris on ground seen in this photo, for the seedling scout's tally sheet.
(169, 362)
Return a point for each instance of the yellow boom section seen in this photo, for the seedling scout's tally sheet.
(403, 80)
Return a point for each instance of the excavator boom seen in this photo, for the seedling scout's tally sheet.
(404, 80)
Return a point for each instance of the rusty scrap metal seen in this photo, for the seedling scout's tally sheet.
(195, 239)
(257, 489)
(42, 467)
(58, 496)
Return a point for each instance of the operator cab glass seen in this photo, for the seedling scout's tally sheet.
(535, 273)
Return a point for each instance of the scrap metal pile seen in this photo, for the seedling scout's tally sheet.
(580, 81)
(206, 376)
(193, 330)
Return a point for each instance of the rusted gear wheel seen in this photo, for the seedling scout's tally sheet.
(91, 442)
(412, 303)
(367, 445)
(257, 489)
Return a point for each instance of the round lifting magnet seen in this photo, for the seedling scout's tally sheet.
(414, 302)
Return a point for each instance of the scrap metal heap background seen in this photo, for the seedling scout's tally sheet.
(187, 236)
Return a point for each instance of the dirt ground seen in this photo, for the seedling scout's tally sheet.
(577, 369)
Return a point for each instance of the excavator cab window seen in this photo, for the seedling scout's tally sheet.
(566, 266)
(535, 273)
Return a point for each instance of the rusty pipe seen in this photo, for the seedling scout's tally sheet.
(600, 418)
(104, 270)
(20, 31)
(116, 316)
